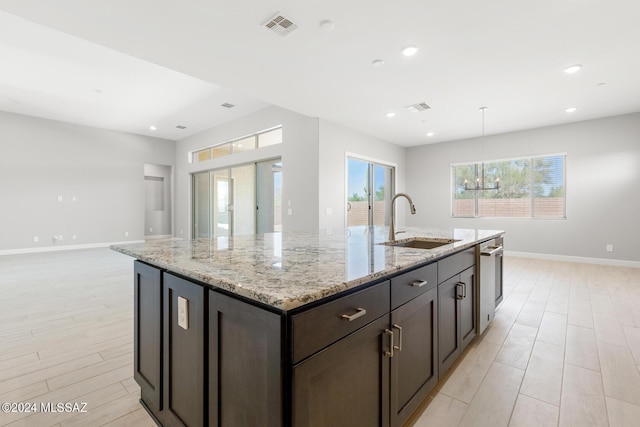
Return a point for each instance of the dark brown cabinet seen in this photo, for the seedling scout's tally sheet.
(183, 352)
(367, 357)
(169, 359)
(414, 365)
(456, 316)
(245, 364)
(147, 333)
(347, 383)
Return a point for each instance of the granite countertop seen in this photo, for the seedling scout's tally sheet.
(287, 270)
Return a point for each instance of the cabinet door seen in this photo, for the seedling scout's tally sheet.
(245, 364)
(347, 383)
(183, 354)
(468, 309)
(449, 341)
(414, 365)
(147, 333)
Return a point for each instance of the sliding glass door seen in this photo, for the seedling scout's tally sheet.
(370, 187)
(235, 201)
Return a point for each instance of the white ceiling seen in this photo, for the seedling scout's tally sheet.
(504, 54)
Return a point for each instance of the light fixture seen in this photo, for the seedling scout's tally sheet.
(326, 25)
(479, 184)
(377, 62)
(430, 134)
(571, 110)
(152, 128)
(573, 69)
(410, 50)
(390, 114)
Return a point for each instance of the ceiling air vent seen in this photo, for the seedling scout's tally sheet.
(181, 127)
(280, 25)
(227, 105)
(415, 108)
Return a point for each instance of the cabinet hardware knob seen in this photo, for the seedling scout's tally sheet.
(418, 283)
(361, 312)
(390, 334)
(399, 346)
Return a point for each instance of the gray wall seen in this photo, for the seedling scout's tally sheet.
(603, 174)
(335, 142)
(104, 170)
(299, 153)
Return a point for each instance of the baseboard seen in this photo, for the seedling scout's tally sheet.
(160, 236)
(64, 247)
(578, 259)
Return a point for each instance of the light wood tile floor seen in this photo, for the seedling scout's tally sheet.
(66, 335)
(564, 348)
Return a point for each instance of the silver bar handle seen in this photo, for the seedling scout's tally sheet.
(494, 251)
(361, 312)
(399, 346)
(460, 295)
(418, 283)
(464, 290)
(390, 334)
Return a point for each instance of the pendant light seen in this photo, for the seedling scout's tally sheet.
(479, 184)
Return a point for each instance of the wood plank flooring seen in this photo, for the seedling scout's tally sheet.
(563, 350)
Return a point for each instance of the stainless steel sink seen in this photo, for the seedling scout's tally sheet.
(422, 243)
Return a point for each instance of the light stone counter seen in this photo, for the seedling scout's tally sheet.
(288, 270)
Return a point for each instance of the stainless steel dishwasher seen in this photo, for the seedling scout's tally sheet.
(490, 281)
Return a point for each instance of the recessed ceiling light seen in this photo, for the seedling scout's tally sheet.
(377, 62)
(327, 25)
(391, 114)
(571, 109)
(573, 69)
(410, 50)
(152, 128)
(430, 134)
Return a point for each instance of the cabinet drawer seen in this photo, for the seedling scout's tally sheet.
(450, 266)
(315, 329)
(407, 286)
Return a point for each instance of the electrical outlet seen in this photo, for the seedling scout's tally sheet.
(289, 211)
(183, 313)
(328, 211)
(35, 239)
(609, 247)
(150, 229)
(74, 237)
(126, 234)
(59, 198)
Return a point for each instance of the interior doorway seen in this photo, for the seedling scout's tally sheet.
(157, 192)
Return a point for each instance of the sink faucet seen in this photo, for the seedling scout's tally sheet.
(392, 233)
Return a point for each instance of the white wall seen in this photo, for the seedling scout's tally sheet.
(299, 153)
(104, 170)
(603, 177)
(335, 142)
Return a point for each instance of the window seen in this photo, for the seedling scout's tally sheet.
(246, 143)
(530, 187)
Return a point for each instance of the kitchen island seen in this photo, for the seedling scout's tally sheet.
(328, 328)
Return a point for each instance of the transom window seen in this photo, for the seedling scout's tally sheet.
(527, 187)
(258, 140)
